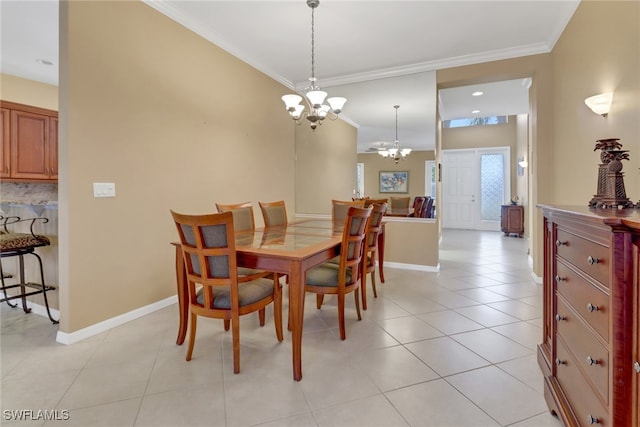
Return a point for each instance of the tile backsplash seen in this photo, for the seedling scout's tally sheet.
(29, 192)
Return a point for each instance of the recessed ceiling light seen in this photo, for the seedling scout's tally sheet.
(475, 111)
(477, 93)
(44, 62)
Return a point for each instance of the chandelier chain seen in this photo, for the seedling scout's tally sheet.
(313, 50)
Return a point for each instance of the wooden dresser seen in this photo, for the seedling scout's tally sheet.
(590, 353)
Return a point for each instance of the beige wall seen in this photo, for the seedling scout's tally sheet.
(325, 165)
(175, 123)
(28, 92)
(598, 52)
(374, 164)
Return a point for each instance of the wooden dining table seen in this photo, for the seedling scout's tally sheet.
(291, 250)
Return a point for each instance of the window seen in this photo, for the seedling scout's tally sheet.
(475, 121)
(359, 180)
(431, 178)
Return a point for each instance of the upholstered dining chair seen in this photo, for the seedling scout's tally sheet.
(243, 220)
(370, 202)
(370, 250)
(208, 248)
(345, 277)
(273, 213)
(418, 202)
(340, 207)
(400, 202)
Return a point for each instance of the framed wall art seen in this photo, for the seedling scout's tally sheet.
(394, 182)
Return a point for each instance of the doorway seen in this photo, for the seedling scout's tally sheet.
(475, 184)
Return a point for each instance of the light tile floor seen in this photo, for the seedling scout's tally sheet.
(453, 348)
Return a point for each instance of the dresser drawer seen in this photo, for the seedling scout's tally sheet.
(589, 353)
(588, 256)
(585, 402)
(590, 302)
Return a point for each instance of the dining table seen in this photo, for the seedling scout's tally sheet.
(292, 250)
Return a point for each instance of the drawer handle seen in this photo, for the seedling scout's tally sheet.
(561, 243)
(591, 308)
(636, 366)
(560, 279)
(592, 419)
(559, 362)
(591, 361)
(559, 317)
(591, 260)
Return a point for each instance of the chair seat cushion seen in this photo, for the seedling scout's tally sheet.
(326, 275)
(18, 241)
(249, 292)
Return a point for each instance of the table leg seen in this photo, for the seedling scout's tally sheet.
(296, 309)
(381, 253)
(183, 306)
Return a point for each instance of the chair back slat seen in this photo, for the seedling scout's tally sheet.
(353, 243)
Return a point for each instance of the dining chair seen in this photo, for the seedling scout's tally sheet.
(371, 250)
(243, 220)
(418, 202)
(427, 208)
(340, 207)
(274, 213)
(215, 288)
(370, 202)
(400, 202)
(345, 277)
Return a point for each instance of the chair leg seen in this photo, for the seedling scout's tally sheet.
(44, 288)
(4, 289)
(277, 310)
(343, 333)
(363, 290)
(357, 297)
(319, 300)
(192, 335)
(261, 316)
(235, 332)
(373, 283)
(227, 324)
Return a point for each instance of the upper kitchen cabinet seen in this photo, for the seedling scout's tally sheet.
(30, 146)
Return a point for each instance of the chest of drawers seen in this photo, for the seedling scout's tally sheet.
(590, 332)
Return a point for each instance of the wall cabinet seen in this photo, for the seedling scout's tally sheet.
(512, 219)
(29, 143)
(590, 315)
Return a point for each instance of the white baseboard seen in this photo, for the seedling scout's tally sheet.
(89, 331)
(415, 267)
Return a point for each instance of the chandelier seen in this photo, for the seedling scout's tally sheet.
(315, 110)
(396, 152)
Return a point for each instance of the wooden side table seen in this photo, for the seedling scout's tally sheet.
(512, 220)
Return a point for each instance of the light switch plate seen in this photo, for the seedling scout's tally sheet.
(104, 189)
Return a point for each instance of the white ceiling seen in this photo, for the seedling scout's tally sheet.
(376, 53)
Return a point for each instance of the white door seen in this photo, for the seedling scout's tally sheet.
(458, 189)
(475, 183)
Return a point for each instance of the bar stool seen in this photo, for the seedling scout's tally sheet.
(20, 244)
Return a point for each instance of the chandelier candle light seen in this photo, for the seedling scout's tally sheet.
(316, 111)
(396, 152)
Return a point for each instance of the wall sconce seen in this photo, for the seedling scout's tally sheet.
(522, 163)
(600, 104)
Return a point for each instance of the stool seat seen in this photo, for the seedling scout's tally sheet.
(22, 241)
